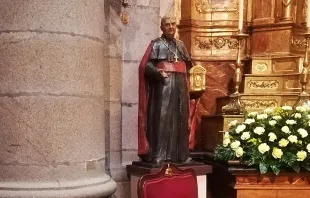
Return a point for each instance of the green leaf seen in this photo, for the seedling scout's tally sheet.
(296, 167)
(263, 168)
(251, 161)
(306, 166)
(275, 169)
(289, 158)
(224, 153)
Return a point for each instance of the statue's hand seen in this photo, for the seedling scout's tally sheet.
(163, 73)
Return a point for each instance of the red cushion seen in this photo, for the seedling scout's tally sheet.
(178, 186)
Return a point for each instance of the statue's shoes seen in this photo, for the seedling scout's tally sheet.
(188, 160)
(158, 161)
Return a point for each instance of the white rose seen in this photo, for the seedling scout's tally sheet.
(285, 129)
(272, 137)
(277, 153)
(262, 148)
(262, 116)
(283, 142)
(245, 136)
(308, 116)
(287, 108)
(226, 142)
(292, 138)
(309, 123)
(290, 122)
(252, 114)
(301, 155)
(297, 115)
(239, 152)
(308, 148)
(226, 135)
(301, 109)
(235, 145)
(269, 110)
(303, 133)
(259, 130)
(249, 121)
(277, 117)
(233, 123)
(272, 122)
(240, 128)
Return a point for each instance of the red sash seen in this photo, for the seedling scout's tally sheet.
(172, 66)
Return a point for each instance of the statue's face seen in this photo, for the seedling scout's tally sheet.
(169, 27)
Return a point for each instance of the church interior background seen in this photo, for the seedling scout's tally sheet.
(69, 82)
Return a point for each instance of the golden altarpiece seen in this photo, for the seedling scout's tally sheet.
(271, 55)
(262, 67)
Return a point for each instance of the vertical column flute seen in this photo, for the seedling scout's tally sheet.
(303, 99)
(234, 106)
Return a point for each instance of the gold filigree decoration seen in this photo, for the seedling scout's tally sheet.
(259, 104)
(298, 42)
(205, 6)
(218, 42)
(263, 84)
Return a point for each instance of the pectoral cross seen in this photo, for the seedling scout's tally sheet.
(175, 54)
(175, 58)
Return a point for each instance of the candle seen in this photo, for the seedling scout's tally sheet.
(308, 13)
(240, 24)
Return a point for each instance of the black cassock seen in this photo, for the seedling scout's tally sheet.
(168, 103)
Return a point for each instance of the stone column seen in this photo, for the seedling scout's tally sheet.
(52, 58)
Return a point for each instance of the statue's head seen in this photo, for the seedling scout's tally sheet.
(168, 26)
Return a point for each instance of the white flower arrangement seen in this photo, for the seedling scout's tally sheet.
(275, 139)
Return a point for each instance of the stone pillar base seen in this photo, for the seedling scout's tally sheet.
(93, 187)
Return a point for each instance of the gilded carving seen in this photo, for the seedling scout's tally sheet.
(233, 43)
(206, 44)
(218, 42)
(202, 6)
(207, 6)
(259, 104)
(298, 42)
(261, 66)
(263, 84)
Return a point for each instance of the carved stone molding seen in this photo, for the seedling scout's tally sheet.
(217, 42)
(206, 6)
(259, 104)
(263, 84)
